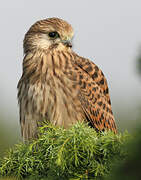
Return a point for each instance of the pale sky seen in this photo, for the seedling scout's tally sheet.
(107, 32)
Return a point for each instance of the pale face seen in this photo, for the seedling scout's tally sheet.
(47, 35)
(53, 38)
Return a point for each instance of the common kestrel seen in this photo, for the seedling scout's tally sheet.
(58, 85)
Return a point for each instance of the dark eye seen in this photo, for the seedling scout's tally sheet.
(53, 35)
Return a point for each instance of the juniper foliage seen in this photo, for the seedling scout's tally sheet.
(75, 153)
(130, 168)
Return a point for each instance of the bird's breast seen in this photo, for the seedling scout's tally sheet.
(51, 94)
(55, 101)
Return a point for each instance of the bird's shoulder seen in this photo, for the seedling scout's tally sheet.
(94, 95)
(93, 72)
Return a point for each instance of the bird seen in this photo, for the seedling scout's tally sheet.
(59, 86)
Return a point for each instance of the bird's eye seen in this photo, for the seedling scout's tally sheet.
(53, 35)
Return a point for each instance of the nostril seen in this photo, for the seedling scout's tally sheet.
(67, 43)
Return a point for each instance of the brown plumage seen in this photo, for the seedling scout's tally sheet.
(58, 85)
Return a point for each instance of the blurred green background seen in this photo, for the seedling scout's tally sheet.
(107, 32)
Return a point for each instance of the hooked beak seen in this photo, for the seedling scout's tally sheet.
(67, 43)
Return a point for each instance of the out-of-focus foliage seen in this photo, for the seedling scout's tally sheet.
(139, 62)
(130, 169)
(7, 179)
(8, 135)
(75, 153)
(4, 142)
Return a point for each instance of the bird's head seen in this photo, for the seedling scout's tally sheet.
(47, 34)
